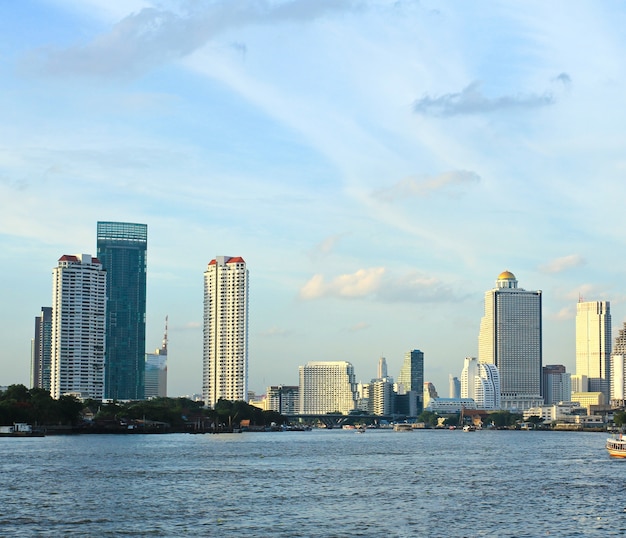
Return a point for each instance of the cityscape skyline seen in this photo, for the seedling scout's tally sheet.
(377, 165)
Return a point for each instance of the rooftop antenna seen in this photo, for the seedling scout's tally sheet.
(164, 344)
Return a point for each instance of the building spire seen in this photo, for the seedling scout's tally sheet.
(164, 344)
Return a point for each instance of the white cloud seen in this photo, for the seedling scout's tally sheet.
(558, 265)
(362, 283)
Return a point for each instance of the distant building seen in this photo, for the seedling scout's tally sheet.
(411, 378)
(382, 368)
(618, 369)
(455, 387)
(429, 392)
(41, 353)
(579, 383)
(327, 387)
(593, 344)
(511, 338)
(556, 383)
(225, 351)
(588, 399)
(450, 405)
(156, 370)
(381, 397)
(284, 399)
(122, 250)
(481, 382)
(78, 332)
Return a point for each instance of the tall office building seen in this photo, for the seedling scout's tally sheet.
(156, 370)
(382, 368)
(78, 334)
(510, 338)
(556, 383)
(411, 379)
(225, 351)
(41, 353)
(481, 382)
(327, 387)
(122, 250)
(593, 344)
(455, 387)
(618, 369)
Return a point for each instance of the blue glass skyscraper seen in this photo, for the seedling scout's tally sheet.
(122, 250)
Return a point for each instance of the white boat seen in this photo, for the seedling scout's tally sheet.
(403, 427)
(616, 446)
(469, 428)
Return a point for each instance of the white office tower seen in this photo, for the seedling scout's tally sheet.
(225, 349)
(481, 382)
(79, 294)
(327, 387)
(618, 369)
(381, 397)
(510, 338)
(593, 344)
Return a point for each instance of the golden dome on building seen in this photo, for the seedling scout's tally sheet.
(506, 275)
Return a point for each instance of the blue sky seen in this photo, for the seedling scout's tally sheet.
(376, 163)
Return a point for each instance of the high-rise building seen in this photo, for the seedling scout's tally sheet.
(430, 393)
(122, 250)
(556, 383)
(455, 387)
(481, 382)
(412, 372)
(41, 353)
(593, 344)
(327, 387)
(225, 351)
(618, 369)
(382, 368)
(510, 338)
(381, 397)
(284, 399)
(79, 297)
(156, 370)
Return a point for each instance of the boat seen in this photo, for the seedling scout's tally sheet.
(20, 429)
(616, 446)
(469, 428)
(403, 427)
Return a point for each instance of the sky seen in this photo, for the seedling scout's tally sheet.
(376, 163)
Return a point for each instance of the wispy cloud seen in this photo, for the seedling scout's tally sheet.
(451, 182)
(274, 332)
(357, 327)
(326, 246)
(558, 265)
(152, 36)
(471, 100)
(363, 283)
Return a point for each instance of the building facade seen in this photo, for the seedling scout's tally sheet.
(122, 249)
(78, 331)
(285, 399)
(511, 338)
(225, 348)
(556, 383)
(156, 370)
(618, 369)
(41, 353)
(327, 387)
(593, 344)
(481, 382)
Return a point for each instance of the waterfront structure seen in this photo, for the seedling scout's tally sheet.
(78, 329)
(593, 344)
(156, 370)
(556, 383)
(284, 399)
(455, 387)
(511, 339)
(122, 248)
(481, 382)
(225, 349)
(450, 405)
(327, 387)
(41, 352)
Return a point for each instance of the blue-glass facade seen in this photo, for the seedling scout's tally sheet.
(122, 248)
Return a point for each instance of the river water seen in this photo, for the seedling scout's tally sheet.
(313, 484)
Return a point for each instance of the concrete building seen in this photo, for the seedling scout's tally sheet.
(455, 387)
(156, 370)
(511, 339)
(381, 397)
(327, 387)
(382, 368)
(556, 383)
(225, 350)
(481, 382)
(618, 369)
(122, 250)
(450, 405)
(285, 399)
(593, 344)
(41, 352)
(579, 383)
(428, 392)
(78, 329)
(588, 399)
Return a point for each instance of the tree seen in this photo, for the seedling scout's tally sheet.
(620, 418)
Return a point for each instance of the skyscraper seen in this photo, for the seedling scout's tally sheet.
(122, 250)
(156, 370)
(510, 337)
(382, 368)
(225, 350)
(593, 344)
(481, 382)
(411, 378)
(327, 387)
(618, 369)
(78, 327)
(41, 359)
(556, 383)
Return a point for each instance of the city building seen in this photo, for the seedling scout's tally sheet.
(78, 329)
(411, 378)
(156, 370)
(579, 383)
(455, 387)
(556, 383)
(593, 344)
(618, 369)
(285, 399)
(225, 349)
(122, 248)
(589, 399)
(41, 352)
(481, 382)
(381, 397)
(382, 368)
(429, 392)
(510, 338)
(327, 387)
(450, 405)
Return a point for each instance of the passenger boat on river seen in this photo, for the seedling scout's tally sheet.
(616, 446)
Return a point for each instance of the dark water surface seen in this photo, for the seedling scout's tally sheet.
(313, 484)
